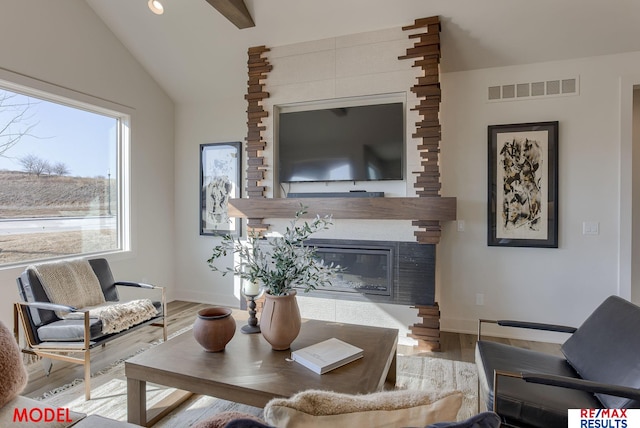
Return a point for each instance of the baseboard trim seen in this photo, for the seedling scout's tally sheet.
(207, 298)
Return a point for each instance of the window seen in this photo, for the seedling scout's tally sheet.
(61, 176)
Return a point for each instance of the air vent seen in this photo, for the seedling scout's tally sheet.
(538, 89)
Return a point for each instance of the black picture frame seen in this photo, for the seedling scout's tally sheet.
(523, 185)
(220, 165)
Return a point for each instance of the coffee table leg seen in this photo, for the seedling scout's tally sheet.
(391, 374)
(137, 401)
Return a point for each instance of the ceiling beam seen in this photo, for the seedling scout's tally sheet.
(235, 11)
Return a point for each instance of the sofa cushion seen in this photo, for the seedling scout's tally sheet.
(315, 408)
(606, 348)
(13, 375)
(69, 330)
(537, 405)
(102, 270)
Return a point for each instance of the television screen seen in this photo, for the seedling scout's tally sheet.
(358, 143)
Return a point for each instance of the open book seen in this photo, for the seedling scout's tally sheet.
(328, 355)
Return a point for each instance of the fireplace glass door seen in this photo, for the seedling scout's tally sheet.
(366, 271)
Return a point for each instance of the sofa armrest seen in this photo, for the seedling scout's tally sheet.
(49, 306)
(537, 326)
(151, 287)
(136, 284)
(527, 325)
(30, 335)
(583, 385)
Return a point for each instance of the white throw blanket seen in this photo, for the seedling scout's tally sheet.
(70, 282)
(117, 317)
(74, 283)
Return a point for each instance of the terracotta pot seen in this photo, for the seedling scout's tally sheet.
(213, 329)
(280, 320)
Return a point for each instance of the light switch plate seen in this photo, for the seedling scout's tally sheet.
(590, 228)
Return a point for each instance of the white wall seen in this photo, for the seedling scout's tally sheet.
(560, 285)
(64, 43)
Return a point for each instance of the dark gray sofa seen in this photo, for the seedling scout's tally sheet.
(600, 369)
(50, 337)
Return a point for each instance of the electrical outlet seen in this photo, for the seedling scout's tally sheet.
(480, 299)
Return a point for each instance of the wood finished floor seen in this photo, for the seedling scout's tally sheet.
(455, 346)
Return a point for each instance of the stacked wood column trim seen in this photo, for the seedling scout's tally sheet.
(426, 55)
(427, 332)
(258, 67)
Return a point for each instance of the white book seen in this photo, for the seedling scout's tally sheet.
(328, 355)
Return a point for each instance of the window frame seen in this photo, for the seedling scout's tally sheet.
(46, 91)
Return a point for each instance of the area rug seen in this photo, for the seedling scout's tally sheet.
(109, 392)
(437, 374)
(109, 399)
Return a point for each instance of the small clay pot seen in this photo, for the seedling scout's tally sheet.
(213, 329)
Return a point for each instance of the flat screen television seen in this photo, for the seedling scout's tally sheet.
(359, 143)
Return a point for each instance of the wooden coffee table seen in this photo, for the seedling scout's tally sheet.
(248, 371)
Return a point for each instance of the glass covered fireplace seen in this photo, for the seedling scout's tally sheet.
(381, 271)
(365, 270)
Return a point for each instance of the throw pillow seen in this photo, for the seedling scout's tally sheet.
(315, 408)
(221, 420)
(246, 423)
(481, 420)
(12, 372)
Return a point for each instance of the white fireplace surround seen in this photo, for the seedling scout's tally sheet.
(358, 68)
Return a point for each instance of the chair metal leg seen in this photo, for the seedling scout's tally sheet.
(478, 394)
(87, 375)
(164, 315)
(46, 366)
(496, 375)
(87, 358)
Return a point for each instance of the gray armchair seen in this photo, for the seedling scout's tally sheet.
(600, 369)
(51, 336)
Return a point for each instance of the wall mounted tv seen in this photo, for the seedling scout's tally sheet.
(358, 143)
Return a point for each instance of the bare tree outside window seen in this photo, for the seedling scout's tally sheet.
(16, 121)
(60, 169)
(32, 164)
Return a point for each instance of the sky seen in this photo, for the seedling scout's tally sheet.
(84, 141)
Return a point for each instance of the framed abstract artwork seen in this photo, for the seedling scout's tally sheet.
(220, 165)
(523, 185)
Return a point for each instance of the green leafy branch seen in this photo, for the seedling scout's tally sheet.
(280, 263)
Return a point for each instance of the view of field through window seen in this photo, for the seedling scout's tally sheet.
(59, 181)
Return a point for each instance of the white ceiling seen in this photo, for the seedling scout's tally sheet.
(193, 52)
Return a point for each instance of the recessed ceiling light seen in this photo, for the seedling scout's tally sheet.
(156, 7)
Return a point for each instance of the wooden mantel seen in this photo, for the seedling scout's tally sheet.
(424, 208)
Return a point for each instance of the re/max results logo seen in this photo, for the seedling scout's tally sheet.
(604, 418)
